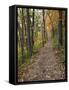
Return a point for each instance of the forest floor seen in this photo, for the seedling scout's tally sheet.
(47, 65)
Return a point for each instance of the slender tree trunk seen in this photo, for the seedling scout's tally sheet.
(25, 25)
(46, 35)
(33, 29)
(44, 26)
(42, 31)
(21, 34)
(60, 28)
(19, 30)
(28, 34)
(22, 38)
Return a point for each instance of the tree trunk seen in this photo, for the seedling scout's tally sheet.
(28, 34)
(21, 34)
(44, 26)
(33, 29)
(60, 27)
(22, 38)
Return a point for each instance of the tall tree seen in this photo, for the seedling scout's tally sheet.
(28, 34)
(22, 38)
(44, 26)
(33, 15)
(60, 27)
(21, 34)
(46, 35)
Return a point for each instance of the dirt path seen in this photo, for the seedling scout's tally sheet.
(46, 66)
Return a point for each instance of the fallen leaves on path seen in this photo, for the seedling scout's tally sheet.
(47, 66)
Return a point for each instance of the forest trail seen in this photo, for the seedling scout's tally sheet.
(47, 66)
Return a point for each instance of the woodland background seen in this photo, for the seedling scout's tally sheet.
(39, 28)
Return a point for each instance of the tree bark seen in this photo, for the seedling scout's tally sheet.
(28, 34)
(22, 38)
(21, 34)
(44, 26)
(33, 29)
(60, 27)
